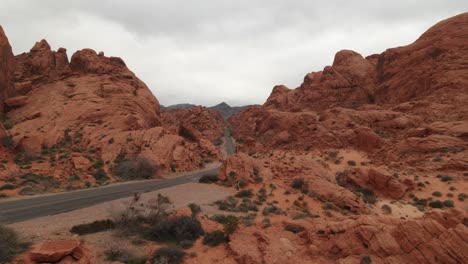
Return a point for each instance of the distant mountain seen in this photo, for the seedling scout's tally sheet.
(223, 108)
(226, 110)
(178, 106)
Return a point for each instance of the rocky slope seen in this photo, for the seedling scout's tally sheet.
(368, 148)
(71, 123)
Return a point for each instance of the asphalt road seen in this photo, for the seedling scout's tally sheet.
(42, 205)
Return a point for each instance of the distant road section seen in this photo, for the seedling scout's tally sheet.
(229, 143)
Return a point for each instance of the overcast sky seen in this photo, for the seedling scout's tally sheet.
(209, 51)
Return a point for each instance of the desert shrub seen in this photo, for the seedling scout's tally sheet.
(228, 204)
(185, 244)
(462, 197)
(262, 195)
(176, 229)
(111, 141)
(246, 205)
(218, 141)
(8, 186)
(328, 206)
(94, 227)
(445, 178)
(351, 163)
(436, 204)
(195, 208)
(271, 209)
(7, 142)
(244, 193)
(233, 174)
(365, 260)
(333, 154)
(9, 244)
(169, 255)
(208, 179)
(368, 195)
(214, 238)
(448, 203)
(266, 222)
(294, 229)
(100, 175)
(230, 222)
(298, 183)
(287, 192)
(120, 255)
(140, 168)
(387, 209)
(437, 194)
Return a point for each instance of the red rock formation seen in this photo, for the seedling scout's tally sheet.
(399, 105)
(435, 238)
(59, 251)
(92, 108)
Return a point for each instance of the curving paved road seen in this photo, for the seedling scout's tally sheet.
(31, 207)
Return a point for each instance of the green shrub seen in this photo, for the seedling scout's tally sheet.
(230, 222)
(120, 255)
(298, 183)
(94, 227)
(208, 179)
(233, 174)
(365, 260)
(214, 238)
(218, 141)
(436, 204)
(437, 194)
(135, 169)
(294, 229)
(266, 222)
(195, 208)
(100, 175)
(176, 229)
(7, 142)
(185, 244)
(9, 244)
(8, 186)
(169, 255)
(244, 193)
(387, 209)
(449, 203)
(462, 197)
(271, 209)
(368, 195)
(351, 163)
(445, 178)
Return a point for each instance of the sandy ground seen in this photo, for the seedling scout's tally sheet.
(58, 226)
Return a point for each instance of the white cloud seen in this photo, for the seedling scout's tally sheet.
(209, 51)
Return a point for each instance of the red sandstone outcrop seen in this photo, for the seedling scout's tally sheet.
(434, 238)
(207, 123)
(91, 108)
(57, 251)
(397, 106)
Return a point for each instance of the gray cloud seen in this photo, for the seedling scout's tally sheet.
(210, 51)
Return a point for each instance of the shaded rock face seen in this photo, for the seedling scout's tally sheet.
(6, 69)
(91, 108)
